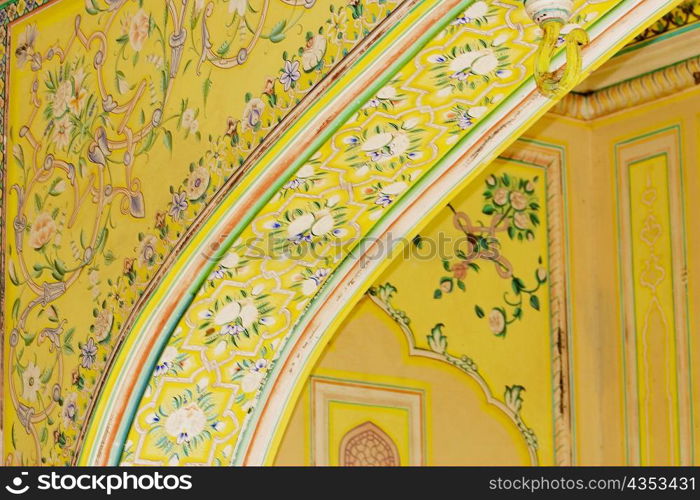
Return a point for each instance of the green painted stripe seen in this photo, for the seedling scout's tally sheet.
(677, 128)
(343, 117)
(151, 361)
(596, 28)
(659, 38)
(189, 251)
(567, 283)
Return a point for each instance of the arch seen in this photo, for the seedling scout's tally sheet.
(305, 337)
(368, 445)
(217, 228)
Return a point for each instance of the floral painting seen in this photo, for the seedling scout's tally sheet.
(137, 120)
(122, 144)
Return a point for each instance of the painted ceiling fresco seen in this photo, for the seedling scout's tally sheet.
(129, 130)
(132, 84)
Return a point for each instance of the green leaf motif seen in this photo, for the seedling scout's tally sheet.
(277, 32)
(436, 340)
(168, 140)
(206, 88)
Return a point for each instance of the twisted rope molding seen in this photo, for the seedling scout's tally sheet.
(646, 88)
(553, 159)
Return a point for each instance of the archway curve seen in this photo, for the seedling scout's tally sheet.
(345, 88)
(310, 333)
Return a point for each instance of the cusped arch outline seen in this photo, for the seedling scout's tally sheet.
(382, 296)
(373, 430)
(348, 280)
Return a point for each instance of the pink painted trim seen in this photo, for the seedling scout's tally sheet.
(498, 137)
(236, 213)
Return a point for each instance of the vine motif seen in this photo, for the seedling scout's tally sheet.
(513, 206)
(238, 135)
(687, 12)
(79, 170)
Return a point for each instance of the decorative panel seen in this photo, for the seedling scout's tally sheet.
(486, 280)
(341, 410)
(654, 306)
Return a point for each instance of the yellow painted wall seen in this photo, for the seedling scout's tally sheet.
(610, 166)
(597, 285)
(371, 348)
(512, 355)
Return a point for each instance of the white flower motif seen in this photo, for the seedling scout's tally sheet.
(25, 47)
(497, 321)
(63, 129)
(188, 118)
(166, 362)
(239, 6)
(300, 225)
(463, 61)
(290, 74)
(197, 183)
(147, 250)
(500, 197)
(410, 123)
(103, 324)
(70, 408)
(399, 144)
(178, 205)
(479, 62)
(477, 111)
(308, 286)
(186, 423)
(485, 64)
(313, 53)
(476, 10)
(437, 58)
(43, 230)
(518, 200)
(377, 141)
(521, 220)
(323, 225)
(248, 315)
(387, 92)
(305, 172)
(541, 274)
(252, 113)
(230, 260)
(139, 29)
(228, 313)
(61, 98)
(395, 188)
(251, 380)
(30, 382)
(500, 40)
